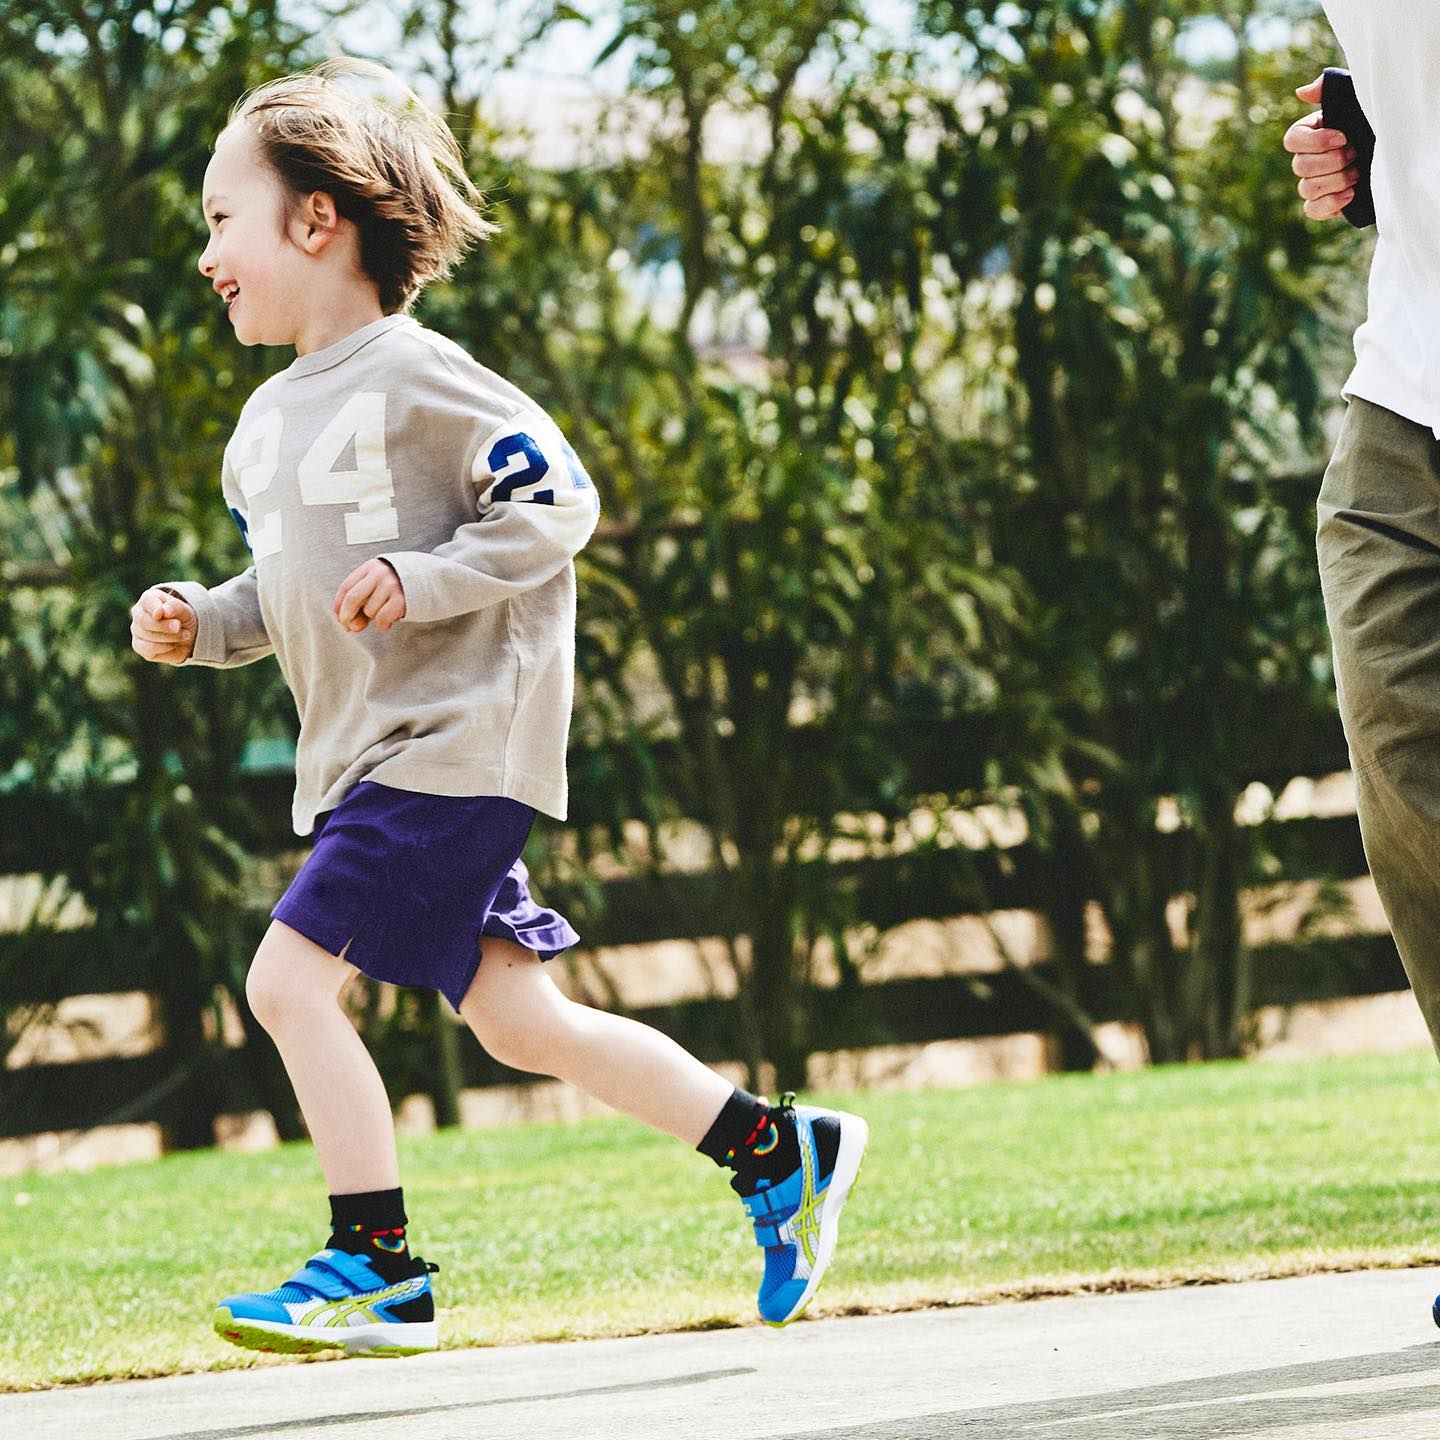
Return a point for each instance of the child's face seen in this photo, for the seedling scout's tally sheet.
(243, 203)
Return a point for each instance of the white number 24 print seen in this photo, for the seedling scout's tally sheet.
(368, 486)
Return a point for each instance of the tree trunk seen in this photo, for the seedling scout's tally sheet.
(447, 1074)
(1066, 896)
(784, 1033)
(1217, 940)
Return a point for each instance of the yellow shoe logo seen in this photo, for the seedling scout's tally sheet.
(805, 1223)
(338, 1312)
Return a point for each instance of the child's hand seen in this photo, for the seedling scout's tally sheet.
(1323, 160)
(162, 627)
(373, 592)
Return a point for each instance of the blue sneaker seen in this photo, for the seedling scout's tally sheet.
(337, 1302)
(797, 1219)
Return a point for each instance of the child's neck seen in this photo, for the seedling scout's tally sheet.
(332, 322)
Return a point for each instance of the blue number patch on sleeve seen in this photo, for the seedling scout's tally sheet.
(578, 473)
(244, 528)
(503, 453)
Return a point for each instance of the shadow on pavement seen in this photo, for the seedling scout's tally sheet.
(316, 1422)
(1244, 1403)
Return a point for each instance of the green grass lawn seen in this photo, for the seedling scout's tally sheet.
(1211, 1172)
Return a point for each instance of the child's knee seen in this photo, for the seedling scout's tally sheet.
(514, 1009)
(265, 991)
(289, 974)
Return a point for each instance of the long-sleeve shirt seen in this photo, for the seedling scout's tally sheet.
(1391, 48)
(394, 443)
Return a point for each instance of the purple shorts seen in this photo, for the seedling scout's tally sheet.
(413, 881)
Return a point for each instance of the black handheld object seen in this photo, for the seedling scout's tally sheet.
(1340, 110)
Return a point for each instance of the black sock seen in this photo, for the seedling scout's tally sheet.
(372, 1223)
(754, 1139)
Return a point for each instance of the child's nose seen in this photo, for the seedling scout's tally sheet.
(206, 264)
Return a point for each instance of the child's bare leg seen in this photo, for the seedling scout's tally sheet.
(294, 989)
(520, 1016)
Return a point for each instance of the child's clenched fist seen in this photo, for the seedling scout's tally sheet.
(372, 592)
(162, 627)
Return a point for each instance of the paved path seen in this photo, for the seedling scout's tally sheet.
(1342, 1357)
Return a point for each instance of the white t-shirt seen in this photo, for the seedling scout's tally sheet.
(1392, 47)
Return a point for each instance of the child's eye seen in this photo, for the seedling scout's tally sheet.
(217, 217)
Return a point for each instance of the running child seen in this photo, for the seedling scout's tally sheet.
(412, 518)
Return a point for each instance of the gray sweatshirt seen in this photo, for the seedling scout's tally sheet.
(395, 443)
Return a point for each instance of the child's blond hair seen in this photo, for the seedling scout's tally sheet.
(397, 173)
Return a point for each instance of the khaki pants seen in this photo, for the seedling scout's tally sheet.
(1379, 547)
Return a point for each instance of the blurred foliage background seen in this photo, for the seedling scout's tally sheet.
(960, 372)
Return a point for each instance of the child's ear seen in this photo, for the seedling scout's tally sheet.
(320, 221)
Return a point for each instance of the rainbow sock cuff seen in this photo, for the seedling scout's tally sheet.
(391, 1241)
(749, 1143)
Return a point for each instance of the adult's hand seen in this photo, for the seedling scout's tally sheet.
(1323, 159)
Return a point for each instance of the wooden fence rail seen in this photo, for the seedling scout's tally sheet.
(910, 1011)
(930, 884)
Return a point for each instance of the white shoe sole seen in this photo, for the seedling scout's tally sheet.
(382, 1340)
(854, 1135)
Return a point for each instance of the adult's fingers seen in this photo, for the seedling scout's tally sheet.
(1331, 162)
(1328, 206)
(1307, 136)
(1328, 184)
